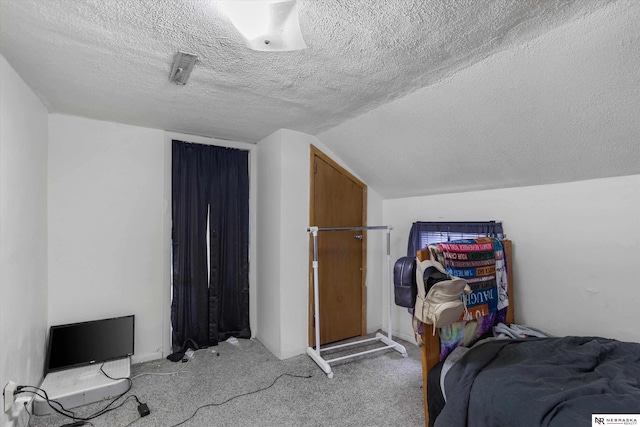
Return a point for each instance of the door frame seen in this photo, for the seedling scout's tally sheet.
(314, 151)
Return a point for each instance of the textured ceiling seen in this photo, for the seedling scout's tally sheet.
(110, 59)
(543, 91)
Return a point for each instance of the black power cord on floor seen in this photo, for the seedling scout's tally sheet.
(77, 420)
(78, 424)
(26, 408)
(143, 409)
(237, 396)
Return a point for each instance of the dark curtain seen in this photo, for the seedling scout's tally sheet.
(209, 184)
(486, 228)
(229, 243)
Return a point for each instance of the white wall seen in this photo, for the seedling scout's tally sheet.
(110, 226)
(576, 250)
(283, 263)
(571, 90)
(376, 279)
(23, 231)
(283, 212)
(268, 243)
(294, 249)
(106, 204)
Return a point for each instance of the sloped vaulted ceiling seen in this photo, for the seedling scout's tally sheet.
(562, 107)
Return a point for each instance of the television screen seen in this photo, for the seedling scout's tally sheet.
(89, 342)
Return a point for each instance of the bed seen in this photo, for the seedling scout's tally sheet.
(555, 381)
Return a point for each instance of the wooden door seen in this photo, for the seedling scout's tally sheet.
(338, 199)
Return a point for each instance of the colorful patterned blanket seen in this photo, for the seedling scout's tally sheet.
(481, 262)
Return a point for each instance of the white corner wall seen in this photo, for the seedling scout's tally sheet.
(283, 216)
(377, 272)
(294, 240)
(23, 231)
(283, 260)
(576, 250)
(106, 226)
(268, 243)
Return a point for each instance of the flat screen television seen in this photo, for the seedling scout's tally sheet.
(85, 343)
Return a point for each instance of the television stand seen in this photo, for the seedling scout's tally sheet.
(83, 385)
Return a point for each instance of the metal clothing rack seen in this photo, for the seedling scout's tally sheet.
(388, 339)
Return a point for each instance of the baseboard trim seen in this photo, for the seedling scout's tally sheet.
(141, 358)
(402, 335)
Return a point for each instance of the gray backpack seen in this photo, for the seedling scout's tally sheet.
(438, 302)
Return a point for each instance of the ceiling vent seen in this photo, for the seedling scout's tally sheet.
(182, 65)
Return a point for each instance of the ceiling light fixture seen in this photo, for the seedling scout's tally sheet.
(182, 65)
(266, 25)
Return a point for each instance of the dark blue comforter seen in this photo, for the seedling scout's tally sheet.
(542, 382)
